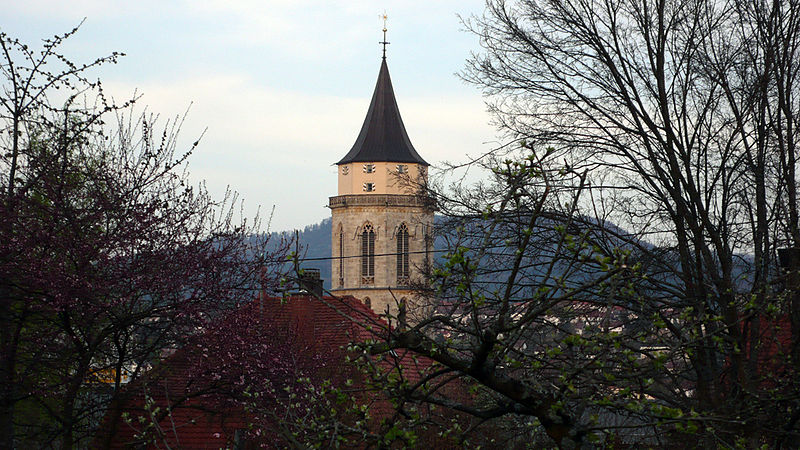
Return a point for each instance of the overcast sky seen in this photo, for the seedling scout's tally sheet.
(282, 86)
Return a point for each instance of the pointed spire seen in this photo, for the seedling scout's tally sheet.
(383, 136)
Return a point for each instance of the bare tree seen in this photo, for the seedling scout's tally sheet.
(652, 307)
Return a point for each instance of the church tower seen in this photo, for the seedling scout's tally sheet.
(382, 220)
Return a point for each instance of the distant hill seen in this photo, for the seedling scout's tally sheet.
(315, 247)
(315, 251)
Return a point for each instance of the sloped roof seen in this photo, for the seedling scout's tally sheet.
(383, 136)
(201, 415)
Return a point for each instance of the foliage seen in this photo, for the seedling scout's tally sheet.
(107, 254)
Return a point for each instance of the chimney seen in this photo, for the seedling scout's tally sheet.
(310, 282)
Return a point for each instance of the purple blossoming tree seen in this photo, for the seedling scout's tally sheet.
(107, 255)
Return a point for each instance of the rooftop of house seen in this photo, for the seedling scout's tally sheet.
(270, 337)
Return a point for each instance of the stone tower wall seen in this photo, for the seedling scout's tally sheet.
(386, 213)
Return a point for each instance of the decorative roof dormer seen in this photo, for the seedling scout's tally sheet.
(383, 136)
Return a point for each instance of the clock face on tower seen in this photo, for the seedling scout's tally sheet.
(345, 170)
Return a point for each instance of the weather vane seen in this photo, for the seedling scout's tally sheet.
(384, 42)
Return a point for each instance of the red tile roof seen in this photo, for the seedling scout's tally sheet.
(202, 414)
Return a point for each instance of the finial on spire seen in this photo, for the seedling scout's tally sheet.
(384, 42)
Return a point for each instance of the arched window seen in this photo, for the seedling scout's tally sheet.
(368, 255)
(341, 256)
(368, 302)
(402, 254)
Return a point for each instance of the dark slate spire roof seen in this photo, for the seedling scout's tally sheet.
(383, 137)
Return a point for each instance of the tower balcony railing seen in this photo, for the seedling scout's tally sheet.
(342, 201)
